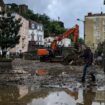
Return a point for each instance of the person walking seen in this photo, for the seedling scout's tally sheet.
(88, 60)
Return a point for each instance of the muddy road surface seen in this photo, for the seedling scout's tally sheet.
(40, 83)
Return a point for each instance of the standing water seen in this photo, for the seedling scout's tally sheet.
(28, 95)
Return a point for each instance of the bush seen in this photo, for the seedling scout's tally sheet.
(5, 60)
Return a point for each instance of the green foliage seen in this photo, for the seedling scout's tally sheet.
(9, 28)
(55, 28)
(81, 41)
(51, 28)
(71, 37)
(99, 49)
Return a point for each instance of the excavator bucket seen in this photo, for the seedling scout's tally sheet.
(42, 52)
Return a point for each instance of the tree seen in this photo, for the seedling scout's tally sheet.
(9, 29)
(99, 49)
(81, 41)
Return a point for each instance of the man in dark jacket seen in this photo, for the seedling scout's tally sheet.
(88, 60)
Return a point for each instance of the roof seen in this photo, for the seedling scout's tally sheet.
(97, 14)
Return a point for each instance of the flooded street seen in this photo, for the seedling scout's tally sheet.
(23, 95)
(35, 83)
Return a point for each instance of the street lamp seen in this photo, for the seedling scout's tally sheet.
(83, 24)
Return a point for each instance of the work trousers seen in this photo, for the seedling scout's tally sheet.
(85, 71)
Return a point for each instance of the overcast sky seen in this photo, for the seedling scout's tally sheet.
(67, 10)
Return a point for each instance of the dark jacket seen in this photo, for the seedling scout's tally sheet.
(88, 56)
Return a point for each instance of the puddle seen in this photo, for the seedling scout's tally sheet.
(41, 72)
(29, 95)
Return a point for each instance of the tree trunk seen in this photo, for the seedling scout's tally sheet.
(4, 53)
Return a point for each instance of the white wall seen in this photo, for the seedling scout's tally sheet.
(48, 41)
(38, 34)
(66, 42)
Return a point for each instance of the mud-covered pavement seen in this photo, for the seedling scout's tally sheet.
(59, 86)
(25, 72)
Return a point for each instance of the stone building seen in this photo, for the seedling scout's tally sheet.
(94, 29)
(21, 9)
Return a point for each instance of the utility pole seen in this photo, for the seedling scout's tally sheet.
(58, 18)
(104, 52)
(83, 21)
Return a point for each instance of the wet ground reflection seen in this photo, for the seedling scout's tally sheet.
(28, 95)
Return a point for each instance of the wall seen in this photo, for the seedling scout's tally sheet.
(24, 31)
(94, 30)
(36, 33)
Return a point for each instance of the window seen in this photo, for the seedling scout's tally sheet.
(104, 22)
(32, 35)
(96, 19)
(97, 41)
(40, 38)
(38, 27)
(96, 26)
(35, 26)
(96, 33)
(32, 26)
(104, 29)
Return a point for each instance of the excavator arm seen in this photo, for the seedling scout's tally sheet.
(74, 30)
(46, 54)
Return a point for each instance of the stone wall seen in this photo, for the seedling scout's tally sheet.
(5, 65)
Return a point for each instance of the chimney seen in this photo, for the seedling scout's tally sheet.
(101, 12)
(89, 14)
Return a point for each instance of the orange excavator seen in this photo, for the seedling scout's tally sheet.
(49, 55)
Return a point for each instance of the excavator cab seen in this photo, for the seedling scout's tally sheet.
(45, 54)
(42, 52)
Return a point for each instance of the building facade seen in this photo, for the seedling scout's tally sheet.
(24, 31)
(94, 29)
(31, 34)
(36, 33)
